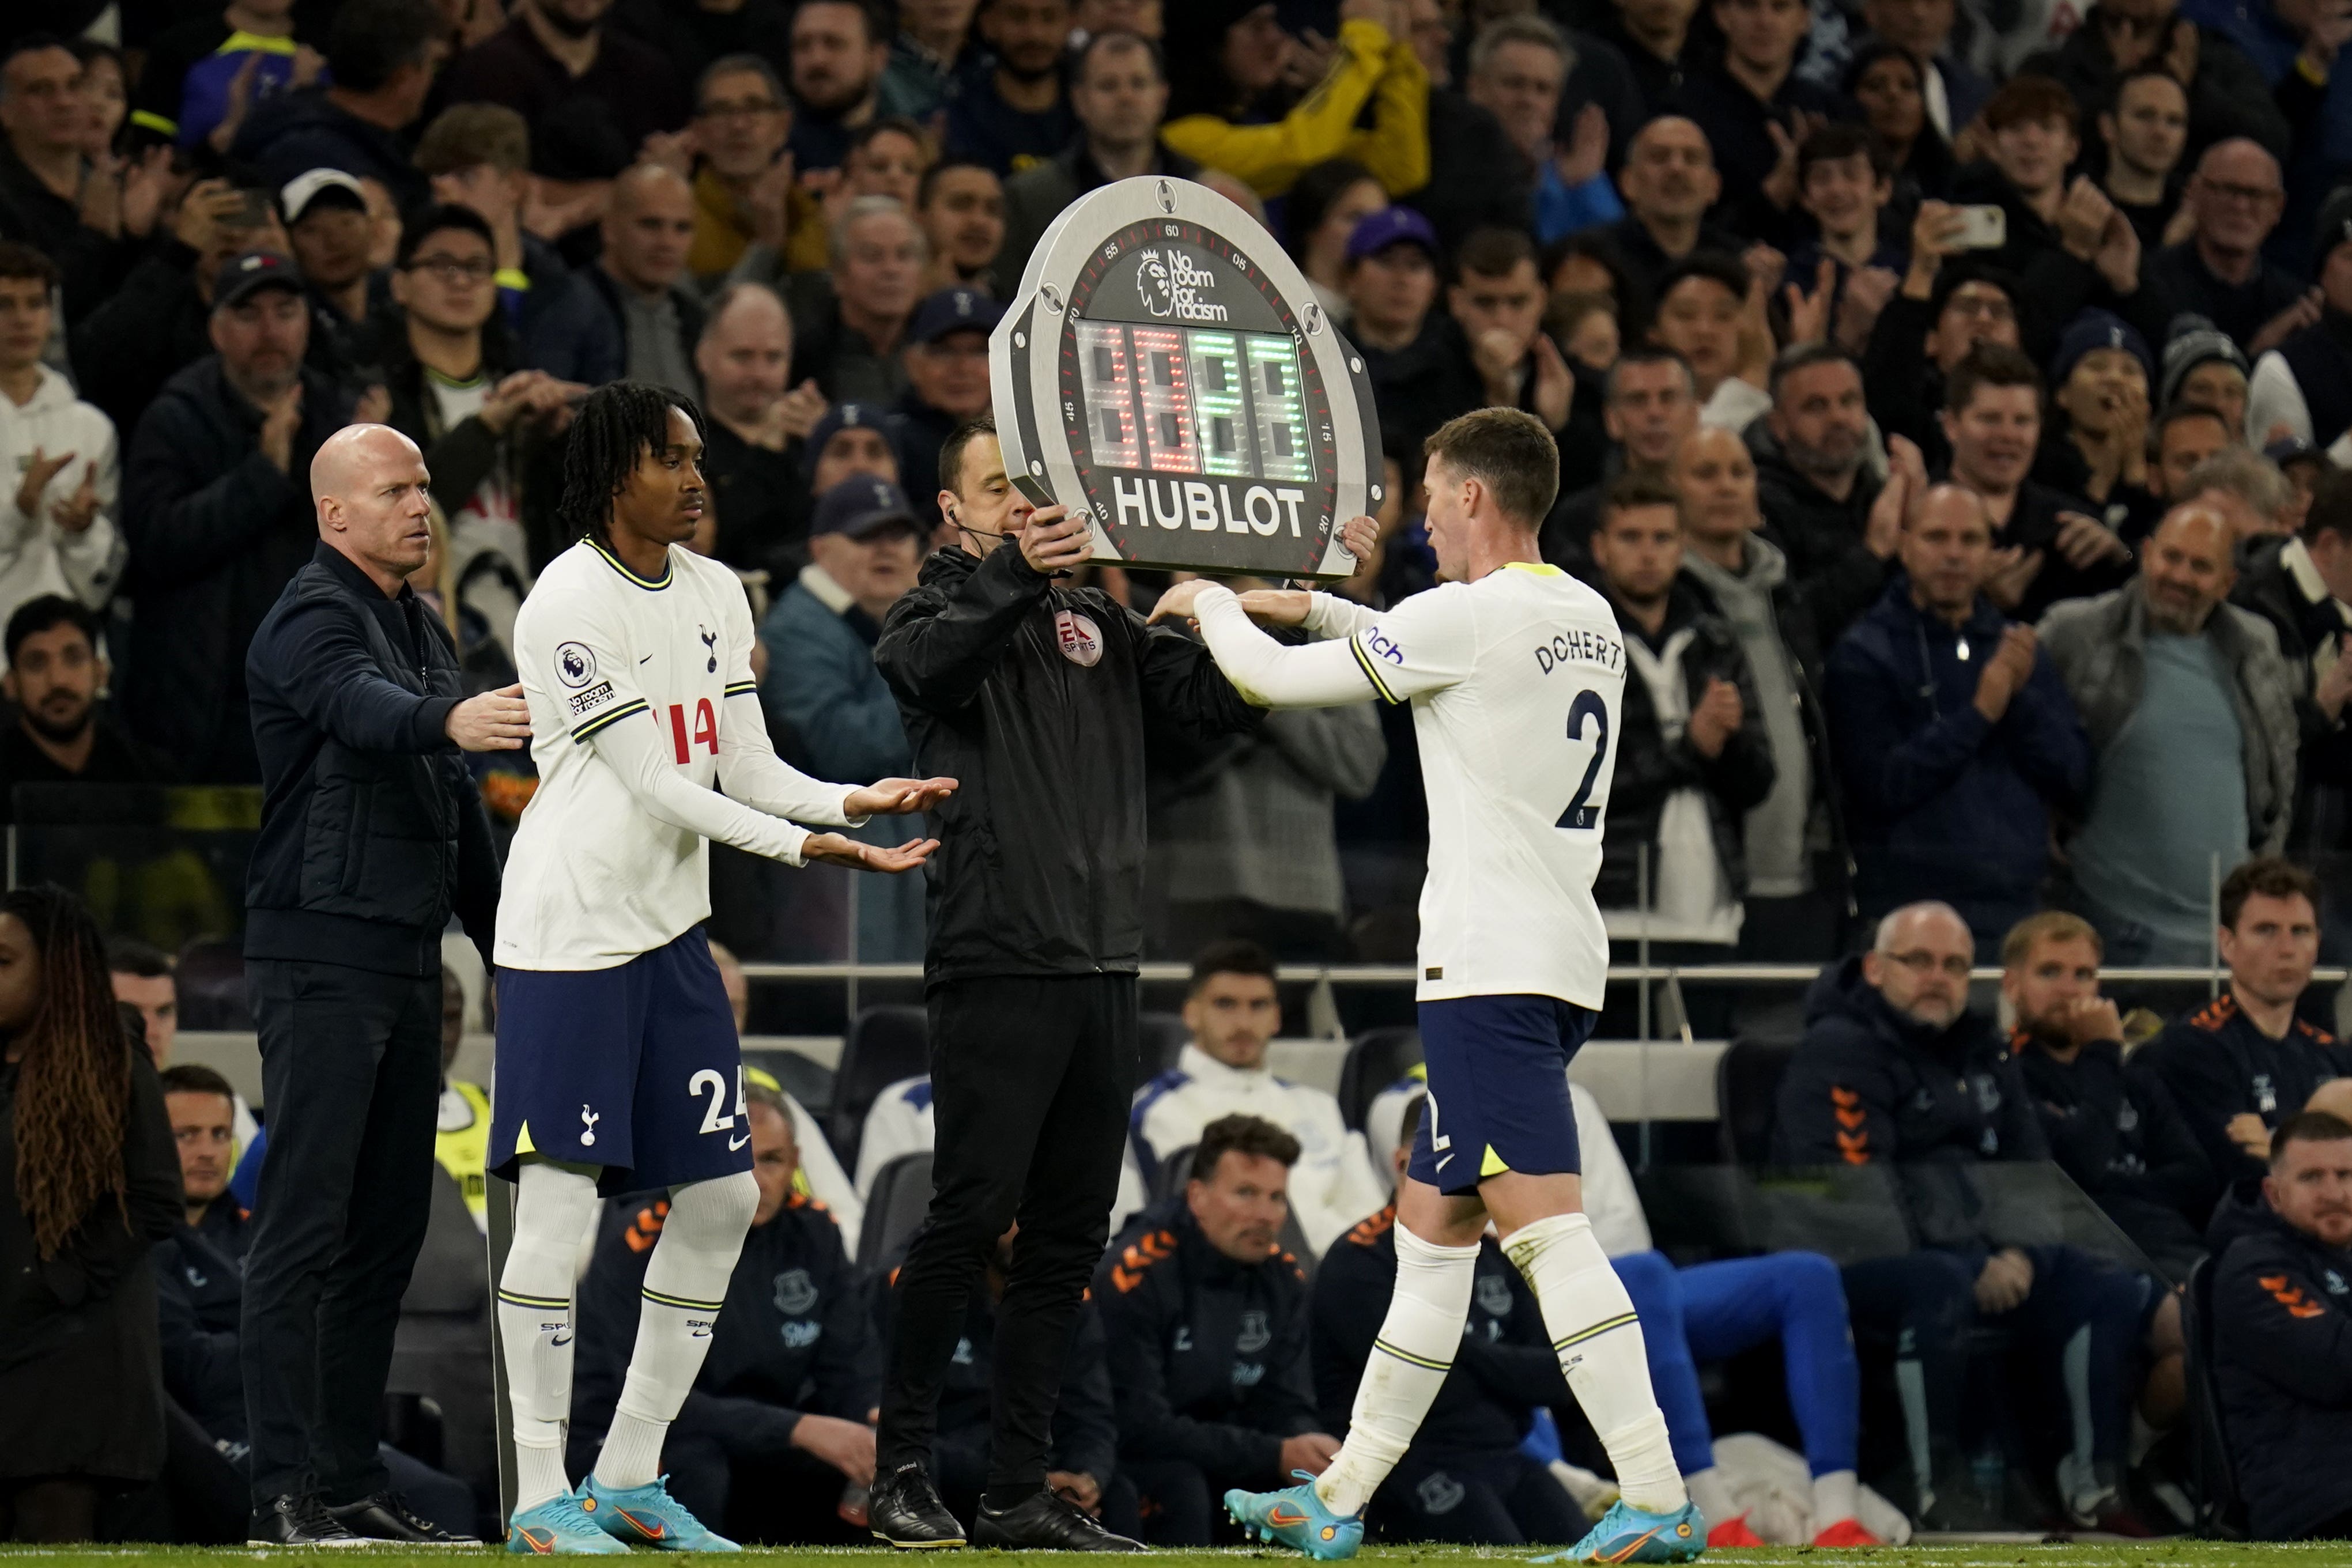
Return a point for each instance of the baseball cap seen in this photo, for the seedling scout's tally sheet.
(2334, 228)
(1390, 226)
(2091, 330)
(320, 187)
(953, 310)
(861, 507)
(242, 278)
(2195, 341)
(843, 416)
(2289, 449)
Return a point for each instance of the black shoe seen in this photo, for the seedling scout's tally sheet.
(903, 1510)
(1046, 1521)
(299, 1522)
(386, 1516)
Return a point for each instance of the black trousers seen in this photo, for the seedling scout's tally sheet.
(1030, 1081)
(1482, 1499)
(350, 1070)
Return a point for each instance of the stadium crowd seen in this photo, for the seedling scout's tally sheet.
(1954, 401)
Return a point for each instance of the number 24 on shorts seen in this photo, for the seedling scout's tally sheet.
(714, 1120)
(1580, 813)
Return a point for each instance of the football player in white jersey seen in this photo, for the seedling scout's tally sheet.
(1514, 671)
(618, 1064)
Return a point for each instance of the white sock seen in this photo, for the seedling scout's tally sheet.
(1415, 1349)
(1598, 1337)
(1712, 1493)
(554, 1205)
(686, 1280)
(1836, 1496)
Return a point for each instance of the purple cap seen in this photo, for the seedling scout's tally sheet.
(1390, 226)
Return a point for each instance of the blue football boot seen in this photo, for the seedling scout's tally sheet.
(1630, 1534)
(649, 1516)
(1295, 1517)
(556, 1526)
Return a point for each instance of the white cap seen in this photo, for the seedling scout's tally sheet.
(304, 188)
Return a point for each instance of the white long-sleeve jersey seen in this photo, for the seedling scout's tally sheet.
(643, 709)
(1333, 1186)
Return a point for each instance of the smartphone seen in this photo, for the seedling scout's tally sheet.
(253, 211)
(1981, 228)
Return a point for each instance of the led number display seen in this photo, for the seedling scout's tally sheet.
(1166, 368)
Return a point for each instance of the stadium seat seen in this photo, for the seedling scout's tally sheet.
(884, 1045)
(1376, 1059)
(1746, 1096)
(209, 982)
(2221, 1514)
(894, 1209)
(1158, 1037)
(1175, 1171)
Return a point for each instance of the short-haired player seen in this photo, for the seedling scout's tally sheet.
(618, 1064)
(1514, 671)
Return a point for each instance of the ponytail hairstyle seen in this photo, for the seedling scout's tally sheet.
(617, 423)
(73, 1085)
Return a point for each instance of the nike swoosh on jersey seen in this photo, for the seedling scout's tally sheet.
(734, 1144)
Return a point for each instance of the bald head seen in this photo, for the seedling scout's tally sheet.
(2186, 568)
(2237, 196)
(1946, 549)
(375, 504)
(1920, 963)
(745, 353)
(649, 226)
(2335, 1097)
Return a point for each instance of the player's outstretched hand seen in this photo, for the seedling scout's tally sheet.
(835, 849)
(494, 721)
(1176, 603)
(896, 797)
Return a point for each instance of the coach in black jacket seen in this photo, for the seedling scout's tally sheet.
(1206, 1318)
(371, 835)
(2282, 1332)
(1037, 697)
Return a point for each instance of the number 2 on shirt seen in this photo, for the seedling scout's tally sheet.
(1580, 814)
(706, 729)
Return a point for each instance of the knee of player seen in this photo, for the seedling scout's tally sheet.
(1650, 1279)
(1810, 1281)
(717, 1209)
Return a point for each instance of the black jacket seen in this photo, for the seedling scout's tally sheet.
(1504, 1371)
(1822, 535)
(80, 1378)
(153, 325)
(200, 1299)
(2227, 97)
(2123, 1142)
(792, 1337)
(1650, 768)
(1085, 1437)
(1208, 1356)
(2283, 1358)
(372, 833)
(1870, 1086)
(215, 532)
(2310, 629)
(297, 132)
(1032, 694)
(2216, 1064)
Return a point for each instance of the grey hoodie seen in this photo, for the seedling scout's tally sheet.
(1777, 866)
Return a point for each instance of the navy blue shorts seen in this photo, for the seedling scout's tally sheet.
(1497, 1089)
(636, 1069)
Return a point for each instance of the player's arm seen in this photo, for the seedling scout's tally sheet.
(1269, 673)
(749, 768)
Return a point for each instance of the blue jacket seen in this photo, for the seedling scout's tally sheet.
(372, 831)
(1940, 803)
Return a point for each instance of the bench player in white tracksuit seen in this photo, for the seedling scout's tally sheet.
(1514, 671)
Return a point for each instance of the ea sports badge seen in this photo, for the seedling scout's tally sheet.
(1166, 368)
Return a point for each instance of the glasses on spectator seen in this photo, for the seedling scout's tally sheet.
(739, 109)
(1919, 961)
(452, 271)
(2250, 196)
(1990, 306)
